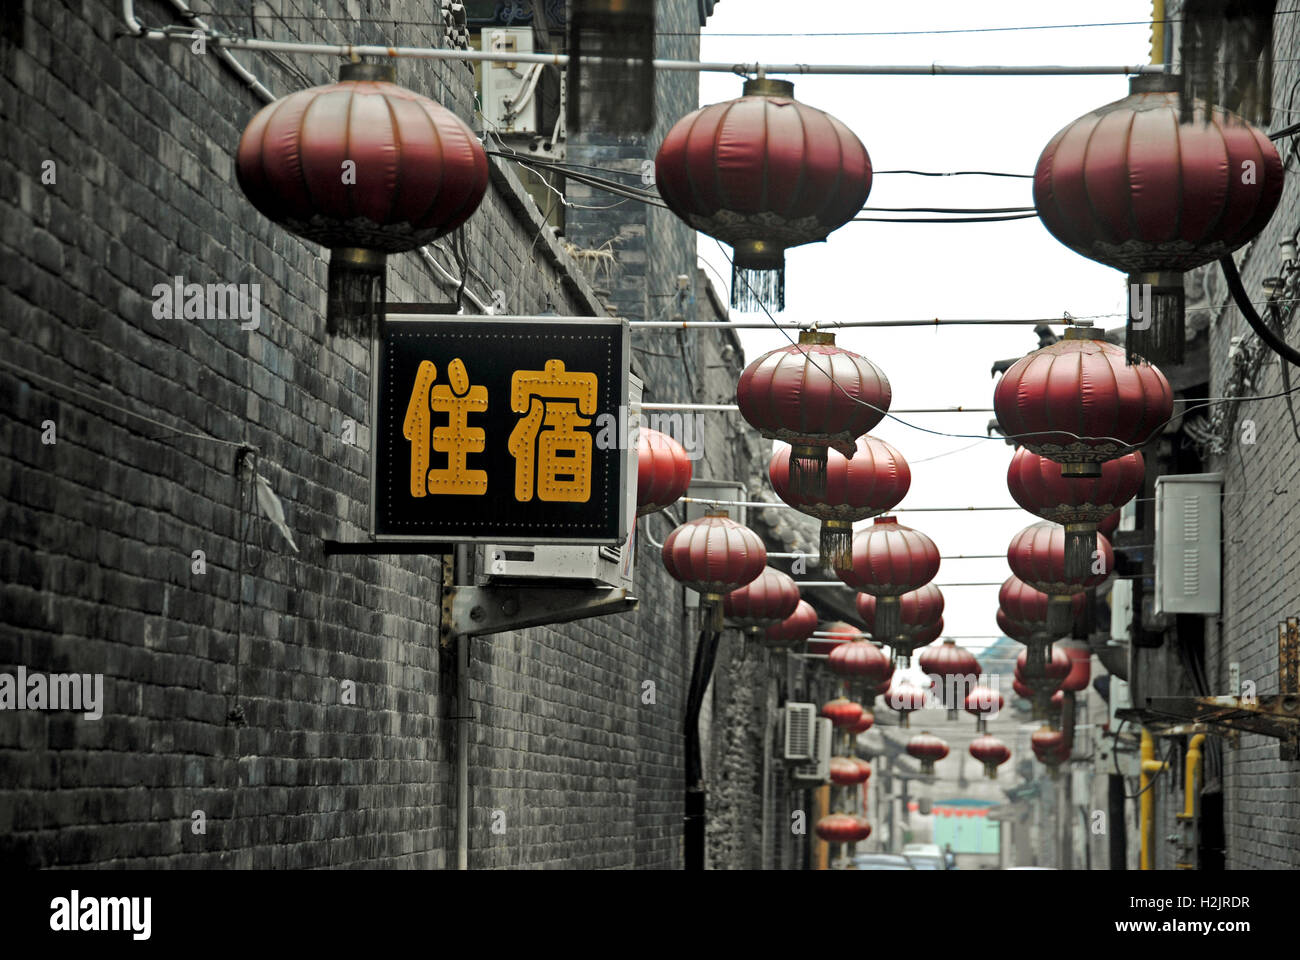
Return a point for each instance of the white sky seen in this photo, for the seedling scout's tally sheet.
(879, 271)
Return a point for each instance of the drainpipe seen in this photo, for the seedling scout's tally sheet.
(1191, 777)
(1147, 803)
(461, 577)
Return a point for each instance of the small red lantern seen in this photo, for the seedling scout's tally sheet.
(1050, 747)
(842, 712)
(1044, 677)
(788, 394)
(842, 828)
(762, 173)
(847, 772)
(864, 724)
(953, 670)
(1134, 186)
(859, 660)
(1080, 657)
(905, 697)
(982, 703)
(865, 767)
(1076, 402)
(794, 629)
(763, 602)
(889, 560)
(875, 480)
(416, 173)
(1077, 503)
(839, 632)
(663, 471)
(714, 555)
(1037, 556)
(927, 748)
(991, 752)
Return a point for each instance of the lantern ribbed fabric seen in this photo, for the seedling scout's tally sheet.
(1022, 610)
(842, 712)
(1076, 402)
(763, 602)
(842, 828)
(1037, 556)
(1077, 503)
(875, 480)
(889, 560)
(794, 629)
(418, 173)
(991, 752)
(860, 660)
(813, 395)
(714, 555)
(847, 772)
(762, 173)
(927, 748)
(1080, 657)
(1130, 186)
(1109, 525)
(663, 471)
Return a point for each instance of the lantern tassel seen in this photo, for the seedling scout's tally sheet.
(808, 478)
(1155, 330)
(889, 622)
(1080, 546)
(357, 296)
(1060, 616)
(717, 621)
(991, 771)
(836, 546)
(755, 290)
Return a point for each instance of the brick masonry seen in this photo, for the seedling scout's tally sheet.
(99, 528)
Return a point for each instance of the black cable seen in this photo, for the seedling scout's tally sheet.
(1278, 346)
(1019, 216)
(955, 173)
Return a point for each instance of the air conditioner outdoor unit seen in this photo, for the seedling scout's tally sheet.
(817, 770)
(1187, 537)
(800, 723)
(509, 93)
(605, 566)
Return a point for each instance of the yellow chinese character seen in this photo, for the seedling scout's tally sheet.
(455, 438)
(559, 456)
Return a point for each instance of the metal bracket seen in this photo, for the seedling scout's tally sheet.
(475, 611)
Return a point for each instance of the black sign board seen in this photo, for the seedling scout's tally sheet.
(501, 430)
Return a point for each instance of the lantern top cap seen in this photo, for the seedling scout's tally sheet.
(1084, 330)
(816, 336)
(767, 87)
(886, 518)
(384, 72)
(1155, 83)
(717, 512)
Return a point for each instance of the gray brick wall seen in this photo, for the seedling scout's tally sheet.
(98, 529)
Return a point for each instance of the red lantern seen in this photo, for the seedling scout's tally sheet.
(1130, 186)
(991, 752)
(1056, 667)
(859, 660)
(1050, 747)
(663, 471)
(840, 632)
(714, 555)
(1042, 677)
(1108, 526)
(864, 724)
(842, 828)
(889, 560)
(1078, 503)
(927, 748)
(762, 173)
(1037, 556)
(875, 480)
(1021, 690)
(794, 629)
(788, 394)
(1022, 610)
(848, 772)
(763, 602)
(983, 703)
(1058, 700)
(1076, 402)
(842, 712)
(1080, 657)
(953, 670)
(417, 174)
(905, 697)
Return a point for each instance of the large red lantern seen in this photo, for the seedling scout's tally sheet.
(953, 670)
(762, 173)
(927, 748)
(365, 168)
(794, 629)
(813, 395)
(663, 471)
(875, 480)
(991, 752)
(1022, 610)
(763, 602)
(714, 555)
(1130, 186)
(1077, 503)
(859, 660)
(889, 560)
(983, 703)
(1037, 556)
(1076, 402)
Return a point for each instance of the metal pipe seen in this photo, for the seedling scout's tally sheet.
(842, 324)
(460, 575)
(138, 29)
(1192, 774)
(786, 506)
(735, 407)
(841, 583)
(1146, 801)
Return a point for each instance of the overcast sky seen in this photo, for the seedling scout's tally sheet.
(878, 271)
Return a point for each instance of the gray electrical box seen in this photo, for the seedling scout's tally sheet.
(1189, 529)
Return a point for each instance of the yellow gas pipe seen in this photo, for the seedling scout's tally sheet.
(1147, 802)
(1191, 777)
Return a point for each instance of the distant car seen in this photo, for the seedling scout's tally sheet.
(924, 849)
(926, 861)
(882, 861)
